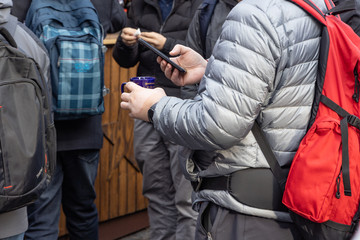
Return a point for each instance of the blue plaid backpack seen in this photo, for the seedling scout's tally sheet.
(73, 35)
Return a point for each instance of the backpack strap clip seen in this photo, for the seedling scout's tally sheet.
(343, 6)
(197, 184)
(353, 121)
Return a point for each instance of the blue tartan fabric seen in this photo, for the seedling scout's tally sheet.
(80, 68)
(73, 36)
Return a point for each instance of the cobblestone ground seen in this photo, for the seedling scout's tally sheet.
(141, 235)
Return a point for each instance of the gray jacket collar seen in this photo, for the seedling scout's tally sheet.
(5, 8)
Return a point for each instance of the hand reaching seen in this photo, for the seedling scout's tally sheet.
(193, 62)
(155, 39)
(129, 37)
(139, 100)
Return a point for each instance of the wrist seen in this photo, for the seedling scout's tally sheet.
(150, 113)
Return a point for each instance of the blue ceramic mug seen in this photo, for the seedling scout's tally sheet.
(144, 81)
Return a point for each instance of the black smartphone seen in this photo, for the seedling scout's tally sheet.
(160, 54)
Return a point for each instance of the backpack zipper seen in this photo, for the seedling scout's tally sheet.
(337, 195)
(357, 85)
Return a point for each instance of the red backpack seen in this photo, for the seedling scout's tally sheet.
(323, 186)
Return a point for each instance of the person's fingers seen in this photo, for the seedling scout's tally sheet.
(175, 78)
(125, 105)
(132, 42)
(128, 30)
(178, 50)
(163, 64)
(168, 70)
(151, 41)
(175, 51)
(149, 34)
(125, 96)
(132, 86)
(128, 38)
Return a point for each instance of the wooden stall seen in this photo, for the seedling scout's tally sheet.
(121, 205)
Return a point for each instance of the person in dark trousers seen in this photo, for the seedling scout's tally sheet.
(257, 65)
(255, 73)
(163, 24)
(13, 224)
(78, 147)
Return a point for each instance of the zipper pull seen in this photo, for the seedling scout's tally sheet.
(337, 195)
(209, 236)
(357, 87)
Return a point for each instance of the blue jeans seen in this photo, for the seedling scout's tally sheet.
(17, 237)
(73, 187)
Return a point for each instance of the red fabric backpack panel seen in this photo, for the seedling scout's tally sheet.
(324, 179)
(315, 176)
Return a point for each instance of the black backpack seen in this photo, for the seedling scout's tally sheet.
(27, 132)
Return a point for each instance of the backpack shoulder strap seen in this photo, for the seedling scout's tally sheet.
(312, 9)
(5, 34)
(11, 25)
(279, 174)
(342, 7)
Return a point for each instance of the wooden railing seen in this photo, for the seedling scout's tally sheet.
(119, 181)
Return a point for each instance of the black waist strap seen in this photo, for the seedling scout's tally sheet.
(253, 187)
(214, 183)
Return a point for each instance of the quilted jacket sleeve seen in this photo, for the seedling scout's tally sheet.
(237, 82)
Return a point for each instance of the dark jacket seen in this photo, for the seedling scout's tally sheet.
(351, 17)
(111, 14)
(20, 8)
(193, 38)
(146, 15)
(218, 17)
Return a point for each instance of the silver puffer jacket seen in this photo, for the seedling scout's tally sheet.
(263, 68)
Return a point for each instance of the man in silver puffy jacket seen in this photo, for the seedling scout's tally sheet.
(263, 69)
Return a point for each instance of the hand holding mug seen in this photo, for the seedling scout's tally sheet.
(145, 82)
(139, 99)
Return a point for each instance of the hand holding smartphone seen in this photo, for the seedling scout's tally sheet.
(160, 54)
